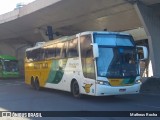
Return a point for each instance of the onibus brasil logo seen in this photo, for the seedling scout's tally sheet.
(21, 114)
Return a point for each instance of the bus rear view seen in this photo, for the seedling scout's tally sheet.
(117, 64)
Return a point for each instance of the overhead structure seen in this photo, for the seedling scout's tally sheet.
(25, 26)
(150, 19)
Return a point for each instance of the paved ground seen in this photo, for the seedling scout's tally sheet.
(151, 85)
(16, 96)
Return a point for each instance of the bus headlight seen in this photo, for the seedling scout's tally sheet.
(137, 81)
(102, 82)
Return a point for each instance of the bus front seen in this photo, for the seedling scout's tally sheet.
(9, 68)
(117, 64)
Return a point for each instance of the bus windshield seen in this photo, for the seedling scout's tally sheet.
(10, 65)
(116, 58)
(117, 62)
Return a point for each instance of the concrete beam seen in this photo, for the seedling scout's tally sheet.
(151, 23)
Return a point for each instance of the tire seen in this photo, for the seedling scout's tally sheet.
(32, 83)
(75, 89)
(36, 83)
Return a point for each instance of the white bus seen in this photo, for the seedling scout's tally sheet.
(92, 63)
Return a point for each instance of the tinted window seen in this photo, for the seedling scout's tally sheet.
(35, 55)
(58, 49)
(50, 51)
(29, 55)
(73, 48)
(39, 54)
(64, 50)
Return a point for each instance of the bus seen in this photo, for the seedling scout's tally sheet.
(96, 63)
(8, 67)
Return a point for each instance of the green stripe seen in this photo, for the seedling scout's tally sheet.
(57, 71)
(128, 81)
(7, 57)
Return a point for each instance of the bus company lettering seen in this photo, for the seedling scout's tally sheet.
(40, 65)
(73, 65)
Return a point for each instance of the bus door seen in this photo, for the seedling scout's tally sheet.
(88, 66)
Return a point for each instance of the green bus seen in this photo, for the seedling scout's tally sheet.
(8, 67)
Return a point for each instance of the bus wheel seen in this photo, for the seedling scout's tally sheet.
(36, 83)
(32, 83)
(75, 89)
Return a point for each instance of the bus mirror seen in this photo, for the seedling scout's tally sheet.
(142, 52)
(95, 50)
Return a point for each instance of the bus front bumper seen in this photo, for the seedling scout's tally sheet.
(104, 90)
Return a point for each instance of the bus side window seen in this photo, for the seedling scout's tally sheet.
(38, 54)
(59, 49)
(41, 54)
(64, 50)
(29, 56)
(73, 48)
(50, 51)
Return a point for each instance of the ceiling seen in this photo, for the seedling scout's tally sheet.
(28, 25)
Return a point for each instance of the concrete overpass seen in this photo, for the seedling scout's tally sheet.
(23, 27)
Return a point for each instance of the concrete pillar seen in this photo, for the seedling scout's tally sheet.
(20, 55)
(7, 49)
(151, 23)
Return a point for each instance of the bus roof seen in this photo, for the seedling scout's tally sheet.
(103, 32)
(65, 38)
(7, 57)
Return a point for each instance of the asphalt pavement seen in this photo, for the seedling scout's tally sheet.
(15, 95)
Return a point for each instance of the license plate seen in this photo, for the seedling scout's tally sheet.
(122, 90)
(115, 82)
